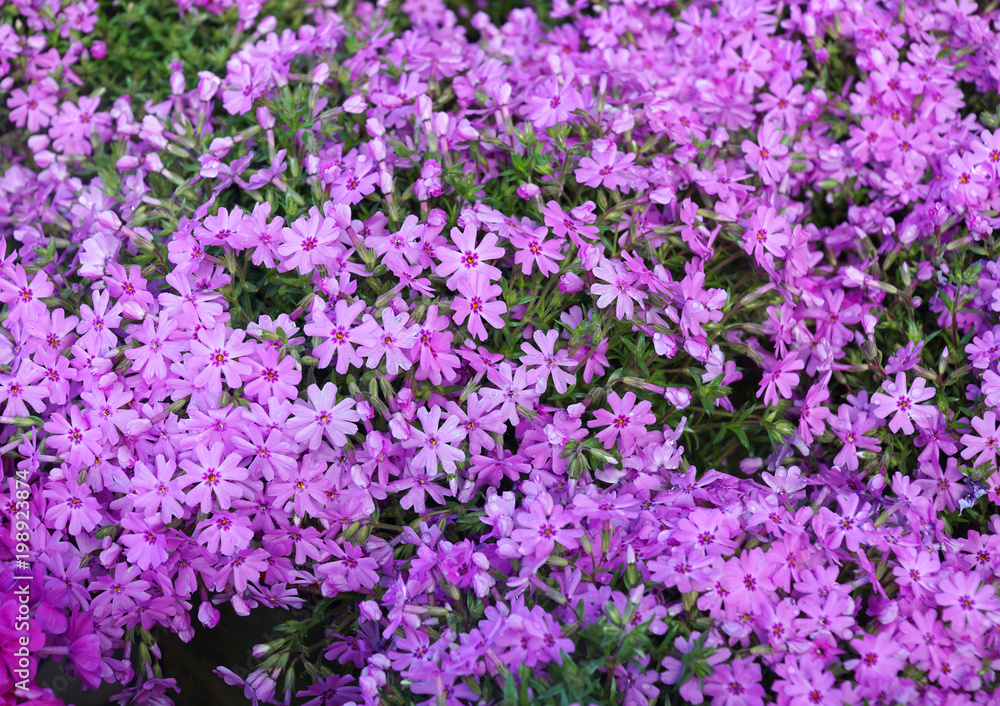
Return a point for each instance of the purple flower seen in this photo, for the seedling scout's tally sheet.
(324, 416)
(904, 404)
(626, 419)
(213, 475)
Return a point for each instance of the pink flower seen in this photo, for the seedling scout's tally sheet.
(338, 335)
(553, 104)
(767, 156)
(904, 404)
(747, 578)
(24, 298)
(619, 288)
(74, 437)
(477, 302)
(71, 505)
(150, 358)
(735, 684)
(158, 494)
(324, 416)
(469, 257)
(309, 242)
(766, 232)
(780, 377)
(217, 355)
(247, 86)
(36, 107)
(984, 442)
(213, 475)
(391, 342)
(880, 657)
(436, 444)
(626, 418)
(271, 377)
(533, 250)
(548, 362)
(145, 545)
(604, 168)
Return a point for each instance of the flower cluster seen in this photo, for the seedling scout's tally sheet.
(601, 352)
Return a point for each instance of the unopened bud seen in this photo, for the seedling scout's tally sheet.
(109, 220)
(355, 105)
(321, 74)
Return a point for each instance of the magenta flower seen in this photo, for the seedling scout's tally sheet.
(553, 104)
(23, 389)
(984, 442)
(619, 289)
(74, 437)
(436, 444)
(747, 578)
(542, 526)
(145, 546)
(766, 232)
(118, 592)
(338, 335)
(605, 168)
(533, 249)
(904, 404)
(324, 416)
(24, 297)
(880, 657)
(477, 302)
(626, 418)
(71, 505)
(158, 494)
(224, 532)
(36, 107)
(736, 684)
(247, 85)
(151, 358)
(391, 340)
(469, 257)
(217, 355)
(767, 157)
(213, 475)
(273, 376)
(779, 379)
(548, 362)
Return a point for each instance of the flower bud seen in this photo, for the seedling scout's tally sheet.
(109, 220)
(208, 614)
(370, 610)
(377, 149)
(466, 132)
(127, 162)
(208, 85)
(679, 397)
(424, 107)
(153, 162)
(356, 104)
(137, 427)
(220, 146)
(528, 191)
(177, 82)
(321, 74)
(399, 427)
(98, 50)
(264, 118)
(590, 256)
(569, 283)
